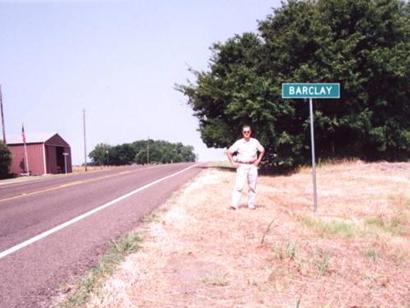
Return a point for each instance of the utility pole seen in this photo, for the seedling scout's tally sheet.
(2, 117)
(148, 151)
(85, 143)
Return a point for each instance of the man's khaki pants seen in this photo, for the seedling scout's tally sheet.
(245, 173)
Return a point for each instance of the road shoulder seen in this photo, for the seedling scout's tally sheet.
(197, 252)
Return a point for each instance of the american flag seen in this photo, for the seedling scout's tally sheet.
(23, 134)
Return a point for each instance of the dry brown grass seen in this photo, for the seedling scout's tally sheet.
(354, 251)
(81, 169)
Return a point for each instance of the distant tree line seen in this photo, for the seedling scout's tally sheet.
(363, 44)
(142, 152)
(5, 160)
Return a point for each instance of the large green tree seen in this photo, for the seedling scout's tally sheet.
(5, 160)
(363, 44)
(100, 154)
(141, 152)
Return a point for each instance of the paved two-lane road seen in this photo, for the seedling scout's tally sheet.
(53, 229)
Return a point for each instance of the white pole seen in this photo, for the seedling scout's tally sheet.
(85, 143)
(312, 135)
(26, 159)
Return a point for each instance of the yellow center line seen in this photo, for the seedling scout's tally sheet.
(70, 184)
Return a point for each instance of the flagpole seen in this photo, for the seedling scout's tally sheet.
(2, 117)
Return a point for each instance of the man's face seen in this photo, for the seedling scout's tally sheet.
(246, 133)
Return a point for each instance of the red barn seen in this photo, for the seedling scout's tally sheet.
(47, 153)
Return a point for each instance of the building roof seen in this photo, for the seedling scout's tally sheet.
(30, 138)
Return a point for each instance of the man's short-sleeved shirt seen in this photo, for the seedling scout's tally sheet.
(247, 150)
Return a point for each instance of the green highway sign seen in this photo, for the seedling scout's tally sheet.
(311, 90)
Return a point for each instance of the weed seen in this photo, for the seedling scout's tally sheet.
(401, 201)
(105, 267)
(216, 279)
(126, 245)
(322, 263)
(267, 230)
(252, 282)
(298, 303)
(334, 227)
(395, 225)
(372, 254)
(277, 249)
(372, 277)
(153, 217)
(291, 250)
(375, 221)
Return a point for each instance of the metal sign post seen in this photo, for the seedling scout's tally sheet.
(310, 91)
(312, 142)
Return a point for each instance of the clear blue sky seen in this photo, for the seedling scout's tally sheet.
(118, 60)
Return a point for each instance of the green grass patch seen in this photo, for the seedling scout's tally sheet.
(395, 225)
(401, 201)
(93, 280)
(333, 227)
(374, 221)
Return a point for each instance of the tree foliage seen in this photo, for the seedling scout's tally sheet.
(5, 160)
(142, 152)
(363, 44)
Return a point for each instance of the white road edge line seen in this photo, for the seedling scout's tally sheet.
(85, 215)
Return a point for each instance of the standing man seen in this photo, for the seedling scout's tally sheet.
(249, 155)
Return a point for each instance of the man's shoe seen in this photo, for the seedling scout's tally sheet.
(233, 207)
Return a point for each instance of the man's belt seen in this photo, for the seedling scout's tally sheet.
(246, 162)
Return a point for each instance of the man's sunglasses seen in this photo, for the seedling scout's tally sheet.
(246, 132)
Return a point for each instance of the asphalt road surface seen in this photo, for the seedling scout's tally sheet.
(53, 229)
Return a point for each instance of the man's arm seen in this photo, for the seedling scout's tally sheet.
(260, 156)
(261, 152)
(230, 158)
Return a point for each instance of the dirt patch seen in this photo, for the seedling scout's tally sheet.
(354, 251)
